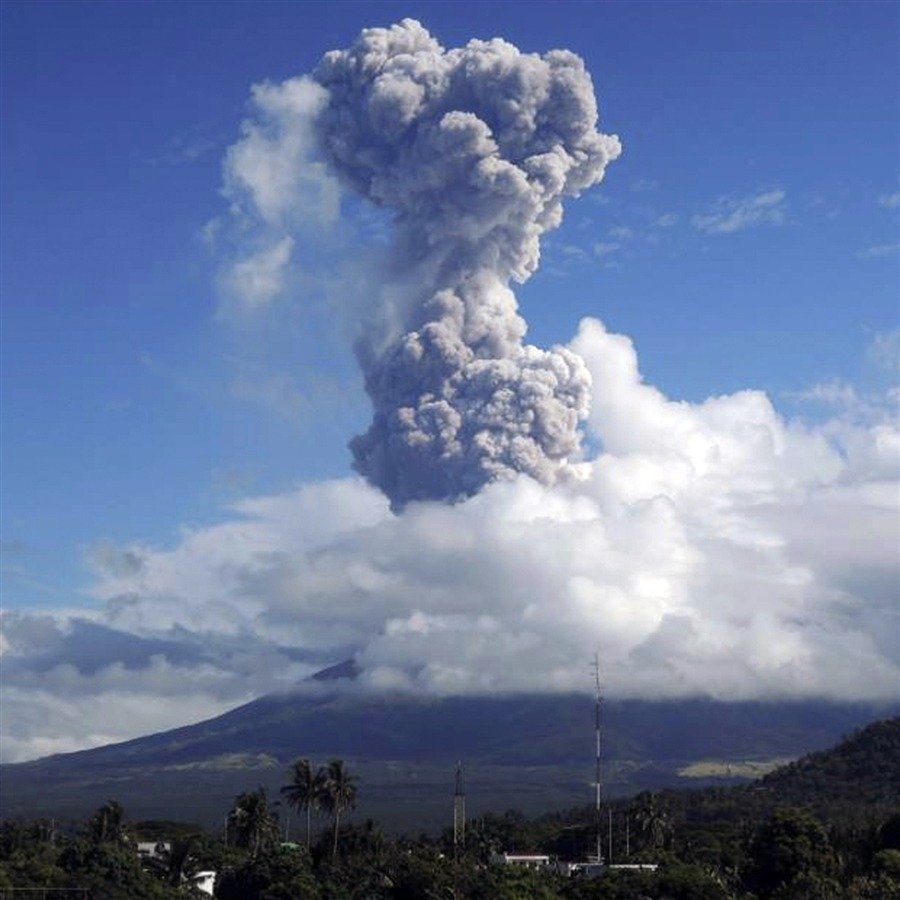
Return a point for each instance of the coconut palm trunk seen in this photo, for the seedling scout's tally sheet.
(305, 791)
(339, 795)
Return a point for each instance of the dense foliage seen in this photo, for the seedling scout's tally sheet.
(825, 828)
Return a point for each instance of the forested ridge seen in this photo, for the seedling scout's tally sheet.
(861, 770)
(826, 827)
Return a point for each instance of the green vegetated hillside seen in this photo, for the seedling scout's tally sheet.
(862, 770)
(527, 752)
(859, 777)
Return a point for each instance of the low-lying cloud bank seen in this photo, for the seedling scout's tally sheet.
(708, 549)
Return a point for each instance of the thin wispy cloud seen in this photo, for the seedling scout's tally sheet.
(733, 214)
(666, 220)
(572, 250)
(605, 249)
(879, 251)
(884, 352)
(255, 280)
(188, 148)
(834, 393)
(871, 406)
(277, 392)
(621, 233)
(613, 243)
(890, 201)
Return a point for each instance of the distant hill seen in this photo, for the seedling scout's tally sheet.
(863, 769)
(528, 752)
(850, 785)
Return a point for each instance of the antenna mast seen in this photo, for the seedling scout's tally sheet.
(597, 779)
(459, 812)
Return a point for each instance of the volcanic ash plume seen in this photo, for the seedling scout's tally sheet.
(472, 150)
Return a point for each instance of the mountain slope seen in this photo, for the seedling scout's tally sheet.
(529, 752)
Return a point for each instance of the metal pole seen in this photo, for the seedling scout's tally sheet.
(609, 857)
(597, 772)
(459, 812)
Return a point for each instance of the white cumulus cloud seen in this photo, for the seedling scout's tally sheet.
(708, 548)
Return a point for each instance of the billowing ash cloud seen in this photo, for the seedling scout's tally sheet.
(472, 150)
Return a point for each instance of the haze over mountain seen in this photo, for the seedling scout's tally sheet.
(524, 497)
(531, 752)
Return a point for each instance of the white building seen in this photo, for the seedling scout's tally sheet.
(206, 882)
(153, 849)
(525, 860)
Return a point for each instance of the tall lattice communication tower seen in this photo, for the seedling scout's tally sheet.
(597, 772)
(459, 812)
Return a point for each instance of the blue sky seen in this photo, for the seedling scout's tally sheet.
(747, 238)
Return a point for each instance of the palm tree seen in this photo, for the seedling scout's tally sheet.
(252, 823)
(108, 824)
(339, 795)
(306, 790)
(652, 821)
